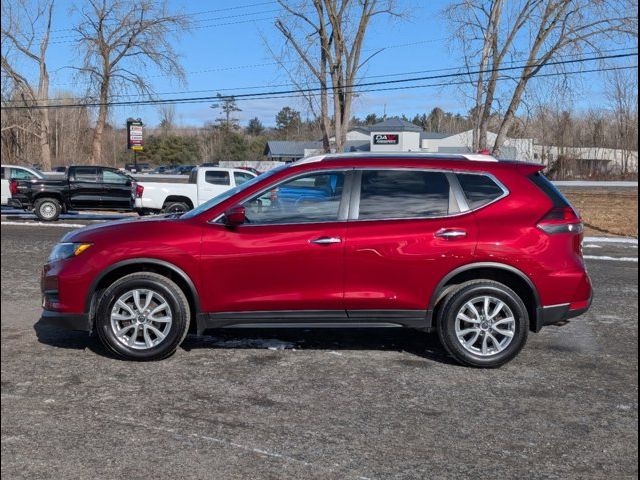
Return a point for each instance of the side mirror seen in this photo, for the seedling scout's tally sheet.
(235, 216)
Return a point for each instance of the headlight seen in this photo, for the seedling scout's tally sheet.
(67, 250)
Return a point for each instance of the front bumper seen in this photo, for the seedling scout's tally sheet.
(70, 321)
(559, 313)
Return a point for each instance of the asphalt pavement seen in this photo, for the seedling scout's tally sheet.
(356, 404)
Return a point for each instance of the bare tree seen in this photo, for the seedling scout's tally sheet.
(490, 33)
(25, 35)
(327, 35)
(623, 99)
(120, 40)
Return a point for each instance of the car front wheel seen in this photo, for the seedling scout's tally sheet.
(142, 316)
(483, 323)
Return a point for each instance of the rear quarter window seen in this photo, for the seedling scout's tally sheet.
(480, 190)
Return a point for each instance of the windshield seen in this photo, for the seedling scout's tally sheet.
(230, 193)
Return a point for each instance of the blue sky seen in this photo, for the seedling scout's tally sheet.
(226, 52)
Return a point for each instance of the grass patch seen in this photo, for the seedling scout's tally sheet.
(606, 211)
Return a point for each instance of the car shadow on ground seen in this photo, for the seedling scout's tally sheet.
(420, 344)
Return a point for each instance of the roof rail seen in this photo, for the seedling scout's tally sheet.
(416, 155)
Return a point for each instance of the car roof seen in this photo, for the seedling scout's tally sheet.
(414, 159)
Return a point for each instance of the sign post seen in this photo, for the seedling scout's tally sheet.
(134, 138)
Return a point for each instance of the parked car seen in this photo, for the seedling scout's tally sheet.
(19, 173)
(137, 167)
(184, 169)
(60, 169)
(81, 188)
(252, 170)
(204, 184)
(164, 169)
(482, 252)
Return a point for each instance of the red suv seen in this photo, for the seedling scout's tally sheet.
(478, 250)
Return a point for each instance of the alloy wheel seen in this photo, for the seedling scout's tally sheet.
(141, 319)
(485, 326)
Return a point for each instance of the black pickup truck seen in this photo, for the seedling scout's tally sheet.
(81, 188)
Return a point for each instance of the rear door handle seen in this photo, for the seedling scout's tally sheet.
(451, 233)
(326, 240)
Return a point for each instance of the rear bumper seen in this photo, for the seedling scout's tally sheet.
(559, 313)
(70, 321)
(16, 203)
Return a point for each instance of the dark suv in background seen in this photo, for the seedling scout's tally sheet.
(481, 251)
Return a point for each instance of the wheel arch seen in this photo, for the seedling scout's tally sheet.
(500, 272)
(162, 267)
(177, 199)
(53, 195)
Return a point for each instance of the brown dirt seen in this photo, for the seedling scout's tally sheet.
(606, 211)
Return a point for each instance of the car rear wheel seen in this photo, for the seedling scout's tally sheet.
(47, 209)
(143, 316)
(176, 207)
(483, 323)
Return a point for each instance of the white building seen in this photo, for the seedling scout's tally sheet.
(397, 135)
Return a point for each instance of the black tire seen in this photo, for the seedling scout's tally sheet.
(47, 209)
(455, 301)
(176, 207)
(159, 284)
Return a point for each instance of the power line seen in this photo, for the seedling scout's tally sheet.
(266, 64)
(192, 14)
(256, 87)
(307, 91)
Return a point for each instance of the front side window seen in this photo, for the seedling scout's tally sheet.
(86, 174)
(241, 177)
(310, 198)
(109, 176)
(395, 194)
(480, 190)
(20, 174)
(217, 178)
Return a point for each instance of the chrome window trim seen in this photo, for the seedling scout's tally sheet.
(352, 188)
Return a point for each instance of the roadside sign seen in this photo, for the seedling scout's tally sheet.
(135, 141)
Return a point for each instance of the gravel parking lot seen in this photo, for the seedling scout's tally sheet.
(319, 404)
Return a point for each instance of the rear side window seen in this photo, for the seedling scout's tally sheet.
(392, 194)
(543, 183)
(480, 190)
(217, 178)
(86, 174)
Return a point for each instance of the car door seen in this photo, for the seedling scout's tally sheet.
(407, 231)
(212, 183)
(288, 257)
(116, 190)
(85, 190)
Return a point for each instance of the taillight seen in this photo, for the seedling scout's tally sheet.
(561, 220)
(139, 190)
(13, 187)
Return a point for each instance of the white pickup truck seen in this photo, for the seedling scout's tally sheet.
(204, 184)
(10, 172)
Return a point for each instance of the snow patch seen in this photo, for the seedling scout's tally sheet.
(45, 224)
(612, 259)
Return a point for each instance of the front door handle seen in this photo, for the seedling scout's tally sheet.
(326, 240)
(451, 233)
